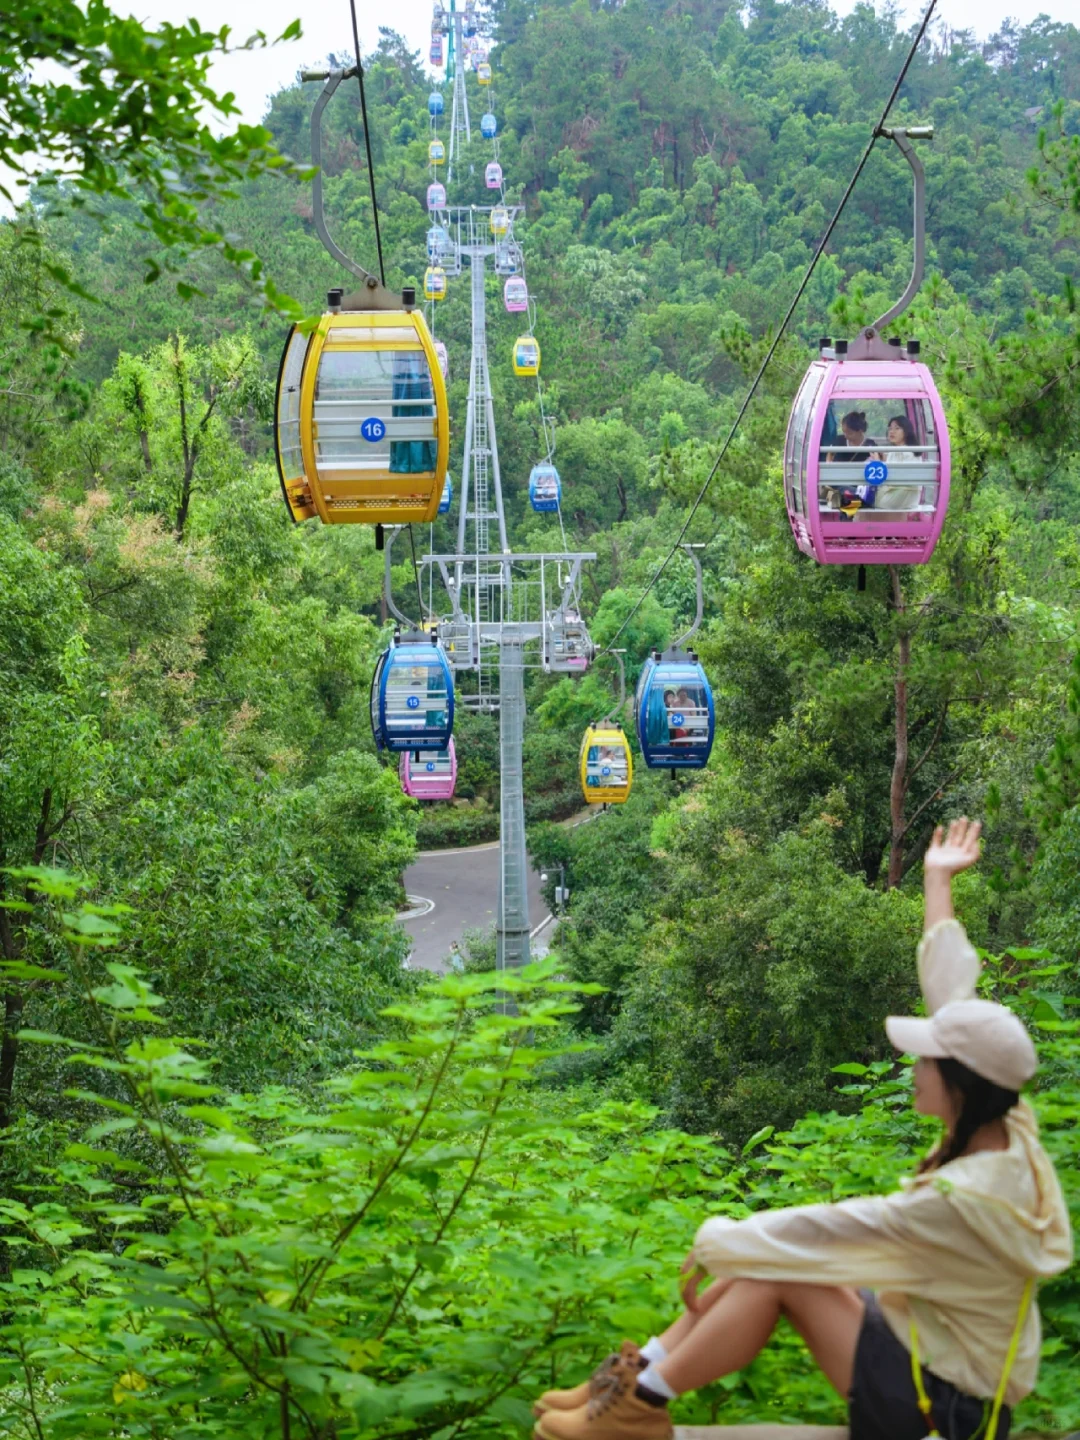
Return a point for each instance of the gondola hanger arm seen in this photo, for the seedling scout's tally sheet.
(391, 533)
(373, 295)
(617, 656)
(692, 550)
(902, 138)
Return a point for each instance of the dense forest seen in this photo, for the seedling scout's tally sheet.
(260, 1179)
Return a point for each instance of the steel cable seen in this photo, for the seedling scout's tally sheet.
(367, 139)
(759, 376)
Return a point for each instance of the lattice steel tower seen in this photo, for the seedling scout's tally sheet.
(460, 134)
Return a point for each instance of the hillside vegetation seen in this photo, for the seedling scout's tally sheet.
(339, 1200)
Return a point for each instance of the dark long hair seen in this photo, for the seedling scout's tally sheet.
(910, 438)
(980, 1102)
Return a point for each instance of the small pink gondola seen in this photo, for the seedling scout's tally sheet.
(516, 294)
(493, 176)
(429, 774)
(866, 459)
(436, 196)
(861, 497)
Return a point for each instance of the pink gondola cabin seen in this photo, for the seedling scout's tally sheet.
(429, 774)
(866, 460)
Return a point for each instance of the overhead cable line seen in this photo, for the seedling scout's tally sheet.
(367, 139)
(760, 375)
(416, 574)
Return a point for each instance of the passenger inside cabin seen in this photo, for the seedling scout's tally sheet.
(849, 498)
(854, 427)
(894, 501)
(672, 704)
(899, 431)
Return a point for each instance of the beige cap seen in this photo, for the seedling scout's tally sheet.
(985, 1037)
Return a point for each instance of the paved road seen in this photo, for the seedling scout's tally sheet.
(464, 884)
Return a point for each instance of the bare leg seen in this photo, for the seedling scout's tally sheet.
(728, 1336)
(677, 1333)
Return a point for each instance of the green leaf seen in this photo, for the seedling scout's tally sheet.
(758, 1138)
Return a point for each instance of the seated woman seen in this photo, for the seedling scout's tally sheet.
(853, 452)
(893, 500)
(953, 1257)
(853, 496)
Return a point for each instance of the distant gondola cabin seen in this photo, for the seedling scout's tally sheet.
(436, 153)
(429, 774)
(499, 220)
(483, 74)
(673, 711)
(434, 283)
(362, 432)
(516, 294)
(493, 175)
(438, 243)
(436, 196)
(435, 54)
(435, 103)
(526, 355)
(443, 357)
(545, 487)
(566, 648)
(488, 125)
(607, 768)
(447, 497)
(412, 696)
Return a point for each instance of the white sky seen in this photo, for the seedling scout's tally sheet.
(254, 76)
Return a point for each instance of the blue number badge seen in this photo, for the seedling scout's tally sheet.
(875, 472)
(676, 719)
(430, 767)
(373, 429)
(413, 702)
(605, 770)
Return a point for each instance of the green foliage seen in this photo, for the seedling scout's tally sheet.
(119, 109)
(393, 1253)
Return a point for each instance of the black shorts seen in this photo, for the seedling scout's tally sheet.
(883, 1404)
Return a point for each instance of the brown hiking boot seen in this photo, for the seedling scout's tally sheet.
(580, 1394)
(612, 1412)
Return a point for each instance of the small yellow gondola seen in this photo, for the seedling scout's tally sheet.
(483, 73)
(435, 283)
(362, 432)
(607, 768)
(436, 153)
(500, 220)
(526, 355)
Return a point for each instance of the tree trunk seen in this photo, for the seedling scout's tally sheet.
(899, 786)
(185, 499)
(185, 441)
(15, 999)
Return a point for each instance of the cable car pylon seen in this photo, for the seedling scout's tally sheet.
(508, 610)
(460, 133)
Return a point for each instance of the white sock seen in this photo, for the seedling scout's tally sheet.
(653, 1350)
(651, 1378)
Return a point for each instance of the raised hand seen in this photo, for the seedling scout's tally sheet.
(957, 850)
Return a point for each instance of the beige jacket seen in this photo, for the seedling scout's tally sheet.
(952, 1249)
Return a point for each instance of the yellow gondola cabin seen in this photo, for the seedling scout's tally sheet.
(362, 432)
(607, 769)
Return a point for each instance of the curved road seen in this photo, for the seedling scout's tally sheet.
(464, 886)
